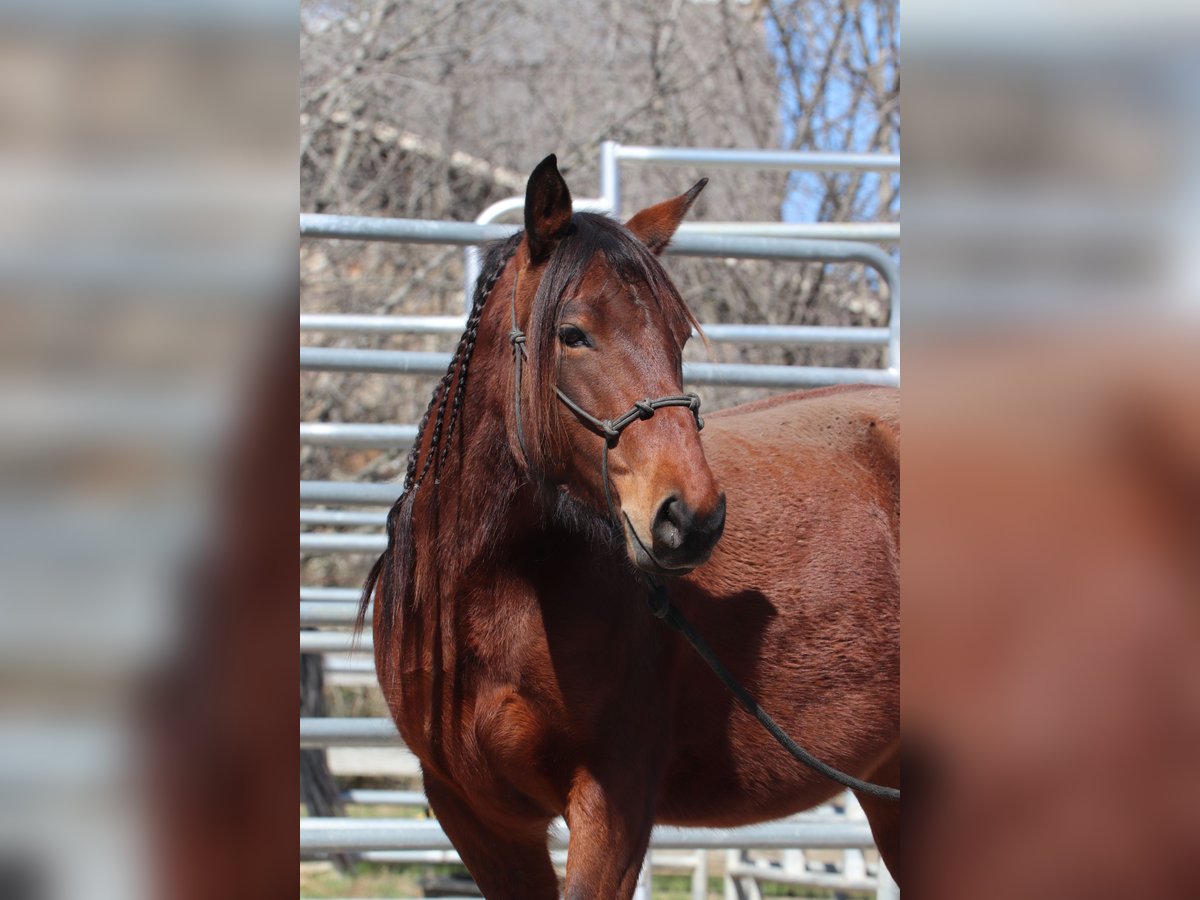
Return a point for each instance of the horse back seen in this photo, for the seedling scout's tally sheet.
(840, 426)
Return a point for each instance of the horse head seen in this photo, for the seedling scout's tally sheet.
(600, 412)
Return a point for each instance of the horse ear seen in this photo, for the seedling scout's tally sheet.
(547, 209)
(655, 225)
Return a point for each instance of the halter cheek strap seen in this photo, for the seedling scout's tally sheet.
(516, 337)
(609, 429)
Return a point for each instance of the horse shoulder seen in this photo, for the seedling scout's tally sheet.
(518, 748)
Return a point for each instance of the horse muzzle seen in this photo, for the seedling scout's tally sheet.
(680, 538)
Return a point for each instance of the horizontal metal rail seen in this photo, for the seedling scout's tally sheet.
(354, 666)
(332, 434)
(349, 492)
(796, 160)
(417, 362)
(392, 798)
(331, 835)
(407, 231)
(835, 881)
(359, 323)
(784, 377)
(336, 642)
(346, 732)
(344, 594)
(719, 332)
(315, 613)
(342, 543)
(341, 518)
(874, 232)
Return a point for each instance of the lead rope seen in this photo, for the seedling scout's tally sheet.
(660, 604)
(662, 608)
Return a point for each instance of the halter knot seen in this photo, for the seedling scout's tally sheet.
(694, 406)
(611, 431)
(645, 408)
(516, 336)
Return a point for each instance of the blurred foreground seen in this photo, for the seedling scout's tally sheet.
(1051, 564)
(147, 250)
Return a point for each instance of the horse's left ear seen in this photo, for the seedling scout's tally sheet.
(655, 225)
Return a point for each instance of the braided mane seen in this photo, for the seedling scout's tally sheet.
(399, 519)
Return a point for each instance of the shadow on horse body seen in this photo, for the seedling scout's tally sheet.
(513, 642)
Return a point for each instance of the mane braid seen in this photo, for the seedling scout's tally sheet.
(399, 519)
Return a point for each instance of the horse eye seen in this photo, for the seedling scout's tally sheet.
(572, 336)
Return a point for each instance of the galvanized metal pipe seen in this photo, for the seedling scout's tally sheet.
(734, 332)
(875, 232)
(408, 231)
(336, 642)
(801, 161)
(748, 375)
(327, 835)
(343, 543)
(392, 798)
(383, 437)
(404, 362)
(380, 362)
(372, 324)
(334, 594)
(350, 665)
(340, 518)
(356, 493)
(773, 872)
(610, 177)
(346, 732)
(795, 334)
(314, 614)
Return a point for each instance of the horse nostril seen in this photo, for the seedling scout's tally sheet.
(670, 524)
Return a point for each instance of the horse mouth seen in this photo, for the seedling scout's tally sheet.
(644, 559)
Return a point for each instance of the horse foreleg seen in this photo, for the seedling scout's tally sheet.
(508, 864)
(610, 820)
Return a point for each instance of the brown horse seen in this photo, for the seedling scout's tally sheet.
(513, 643)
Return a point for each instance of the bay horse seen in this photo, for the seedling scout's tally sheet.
(512, 642)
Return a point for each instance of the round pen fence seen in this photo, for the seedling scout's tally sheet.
(327, 613)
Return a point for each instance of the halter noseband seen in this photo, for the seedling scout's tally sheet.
(609, 429)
